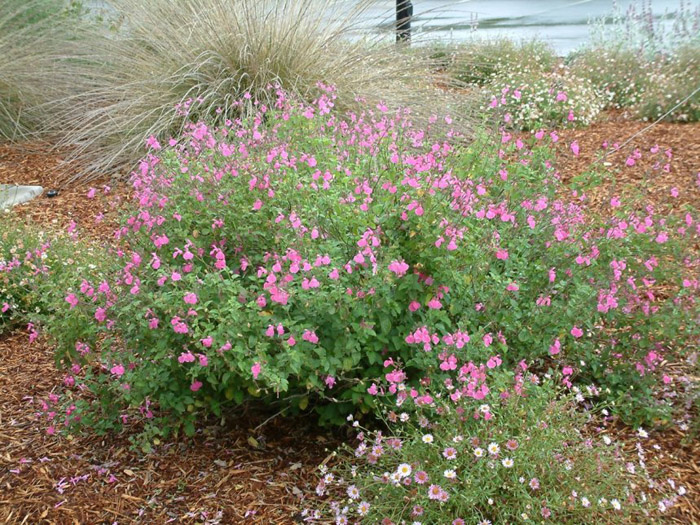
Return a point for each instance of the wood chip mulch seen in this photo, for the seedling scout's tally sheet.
(655, 186)
(220, 476)
(36, 165)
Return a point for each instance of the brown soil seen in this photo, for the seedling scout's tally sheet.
(51, 479)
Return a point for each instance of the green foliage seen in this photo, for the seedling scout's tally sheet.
(288, 257)
(520, 454)
(35, 267)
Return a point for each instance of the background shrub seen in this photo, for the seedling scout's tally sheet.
(535, 99)
(674, 86)
(480, 60)
(643, 64)
(618, 72)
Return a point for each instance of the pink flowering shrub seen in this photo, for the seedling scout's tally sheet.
(289, 257)
(512, 450)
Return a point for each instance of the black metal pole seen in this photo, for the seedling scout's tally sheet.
(404, 13)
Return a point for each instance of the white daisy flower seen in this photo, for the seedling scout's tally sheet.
(404, 470)
(363, 508)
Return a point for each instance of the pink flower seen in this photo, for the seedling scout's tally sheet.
(117, 370)
(434, 304)
(415, 305)
(576, 332)
(398, 267)
(615, 202)
(502, 254)
(152, 142)
(176, 276)
(5, 307)
(512, 287)
(178, 325)
(186, 357)
(310, 336)
(555, 348)
(488, 339)
(101, 314)
(575, 148)
(255, 369)
(493, 362)
(71, 299)
(330, 381)
(207, 341)
(190, 298)
(196, 385)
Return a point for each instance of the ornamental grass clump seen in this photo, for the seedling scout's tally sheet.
(286, 257)
(26, 33)
(489, 446)
(203, 55)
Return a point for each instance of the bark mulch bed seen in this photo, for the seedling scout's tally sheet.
(225, 474)
(653, 186)
(35, 164)
(222, 475)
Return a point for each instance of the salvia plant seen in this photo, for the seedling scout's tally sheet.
(286, 257)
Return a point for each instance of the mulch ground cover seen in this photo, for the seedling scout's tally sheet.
(231, 473)
(249, 469)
